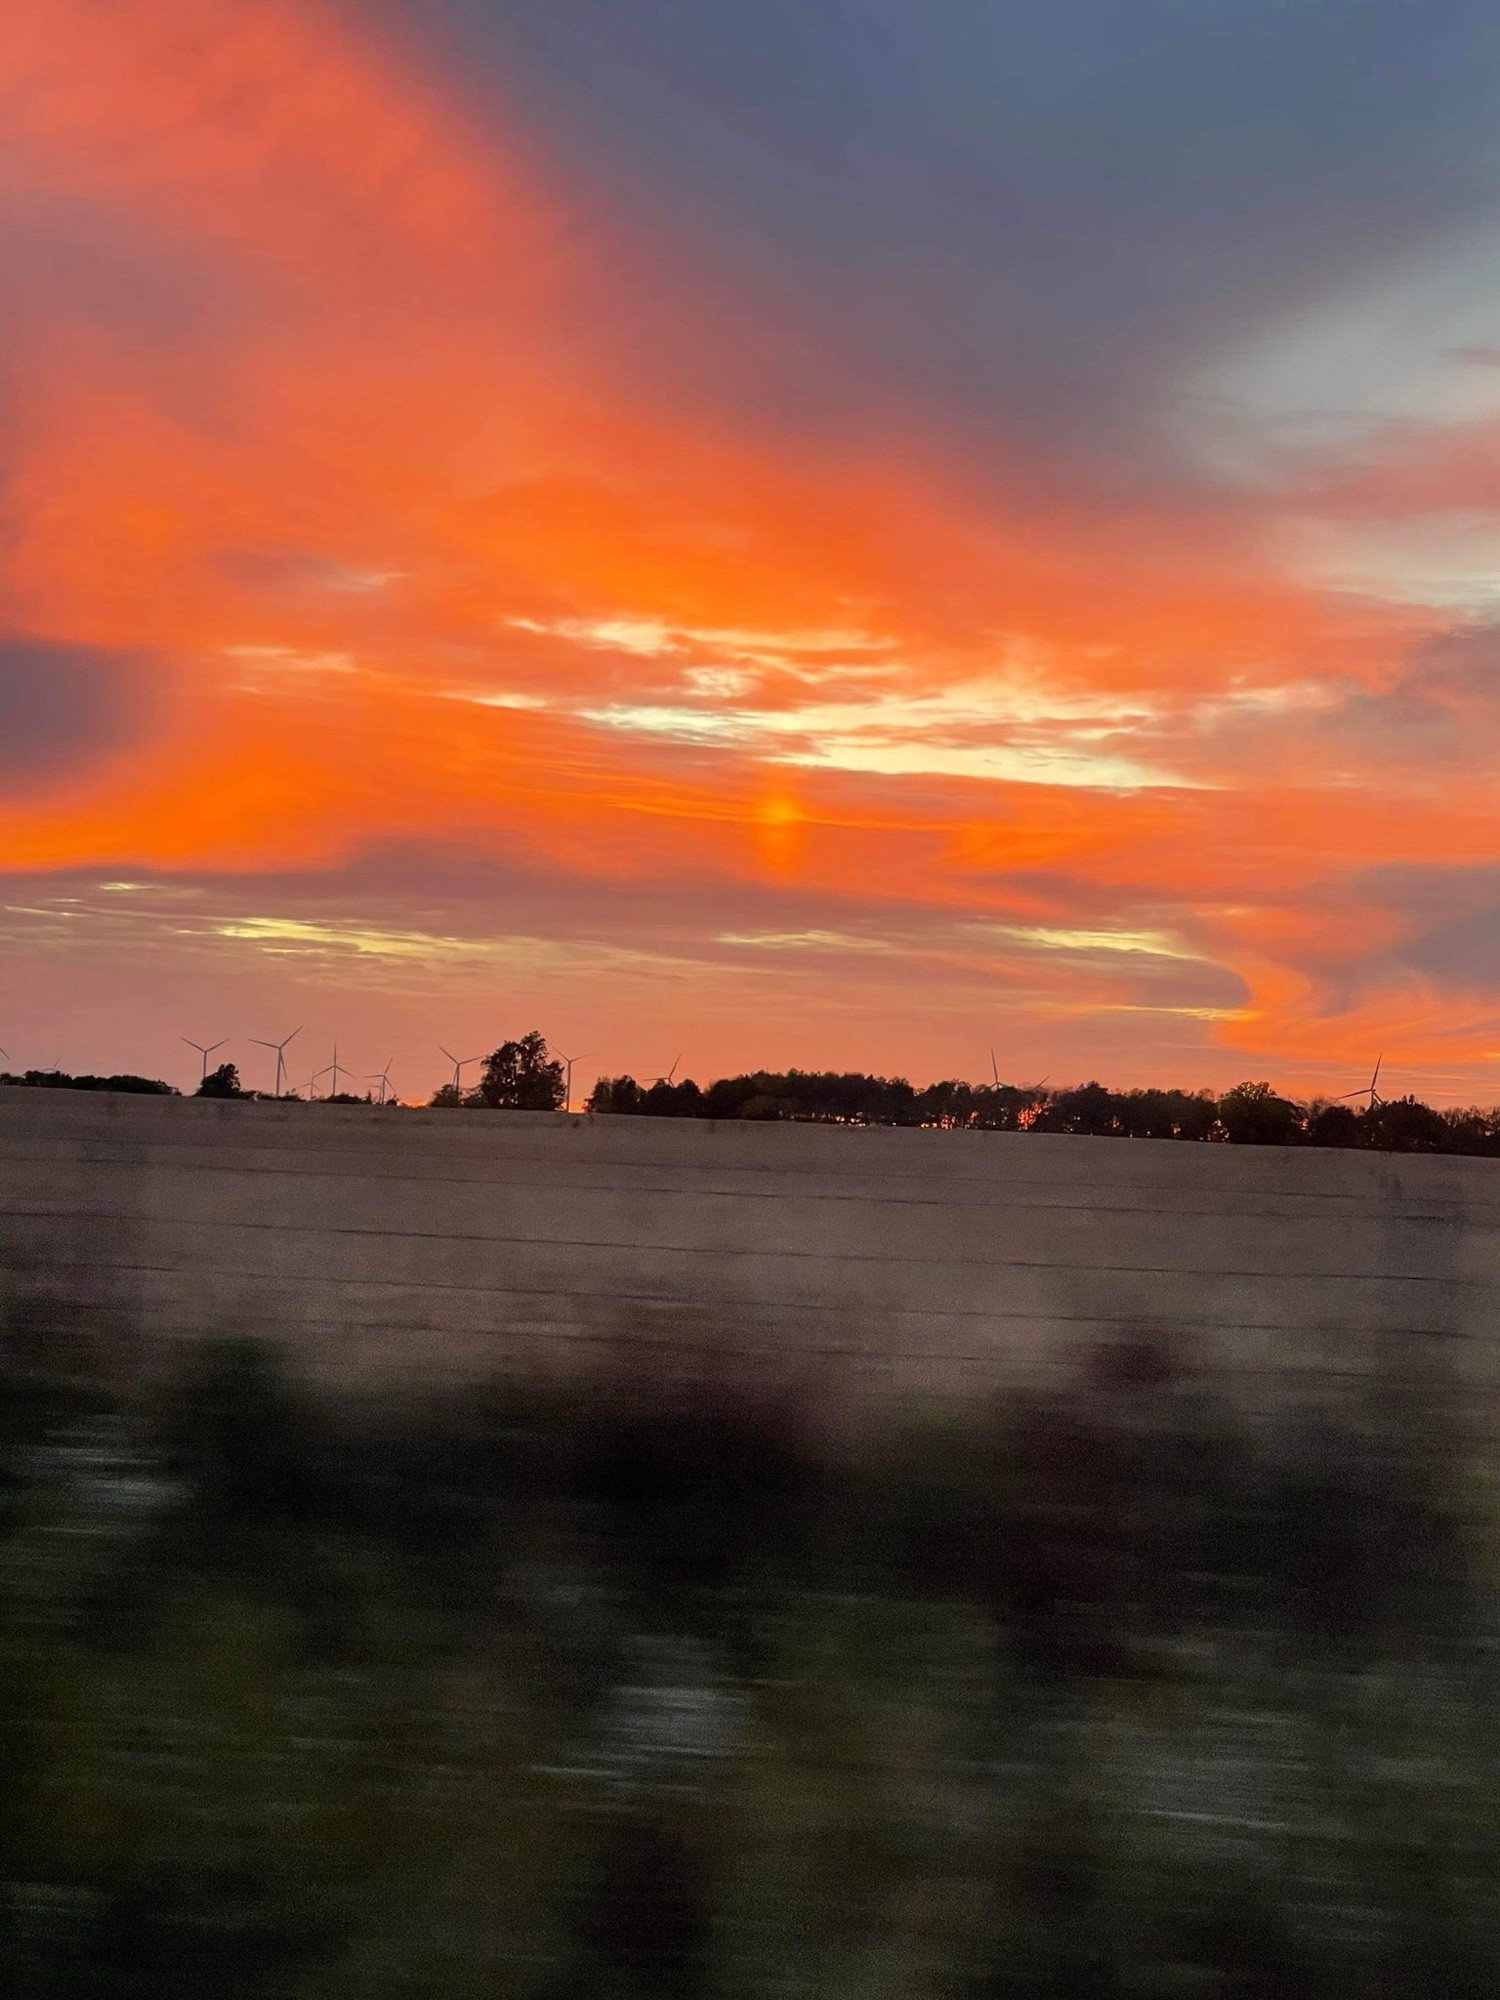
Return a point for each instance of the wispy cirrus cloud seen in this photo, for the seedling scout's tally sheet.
(987, 731)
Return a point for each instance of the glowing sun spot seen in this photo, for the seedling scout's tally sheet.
(778, 837)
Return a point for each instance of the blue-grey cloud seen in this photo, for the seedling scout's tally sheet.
(1028, 216)
(1438, 721)
(89, 258)
(62, 707)
(1453, 917)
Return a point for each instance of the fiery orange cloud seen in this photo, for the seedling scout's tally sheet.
(412, 559)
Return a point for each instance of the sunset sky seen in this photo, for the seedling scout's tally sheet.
(826, 532)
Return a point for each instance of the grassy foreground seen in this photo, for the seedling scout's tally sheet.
(635, 1693)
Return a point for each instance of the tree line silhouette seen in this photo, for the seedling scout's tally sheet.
(223, 1082)
(1251, 1113)
(523, 1075)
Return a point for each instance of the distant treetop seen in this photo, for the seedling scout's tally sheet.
(223, 1082)
(58, 1079)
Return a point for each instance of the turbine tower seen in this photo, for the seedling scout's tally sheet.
(205, 1049)
(460, 1064)
(336, 1067)
(568, 1062)
(1367, 1090)
(280, 1048)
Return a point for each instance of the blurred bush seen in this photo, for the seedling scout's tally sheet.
(626, 1692)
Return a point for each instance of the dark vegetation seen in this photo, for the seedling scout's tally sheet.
(1250, 1114)
(522, 1075)
(519, 1076)
(635, 1691)
(58, 1079)
(223, 1082)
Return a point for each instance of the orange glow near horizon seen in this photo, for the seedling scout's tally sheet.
(394, 566)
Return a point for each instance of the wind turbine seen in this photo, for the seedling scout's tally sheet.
(280, 1048)
(335, 1067)
(460, 1064)
(569, 1061)
(1027, 1089)
(671, 1073)
(1367, 1089)
(383, 1078)
(205, 1049)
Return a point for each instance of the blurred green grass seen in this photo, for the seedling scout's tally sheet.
(623, 1692)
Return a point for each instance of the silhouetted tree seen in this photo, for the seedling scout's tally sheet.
(1472, 1130)
(1004, 1107)
(820, 1097)
(950, 1103)
(520, 1076)
(616, 1093)
(1334, 1125)
(1090, 1108)
(222, 1082)
(1253, 1115)
(728, 1096)
(672, 1100)
(1405, 1125)
(1166, 1114)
